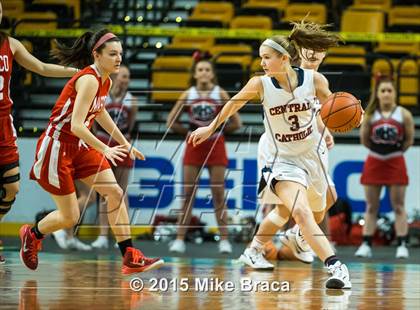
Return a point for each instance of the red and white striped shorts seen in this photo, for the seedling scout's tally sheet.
(58, 164)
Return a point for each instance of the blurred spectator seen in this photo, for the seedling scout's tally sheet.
(203, 100)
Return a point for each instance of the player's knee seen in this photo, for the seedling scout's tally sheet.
(277, 217)
(7, 198)
(302, 214)
(115, 193)
(70, 220)
(399, 209)
(4, 209)
(10, 191)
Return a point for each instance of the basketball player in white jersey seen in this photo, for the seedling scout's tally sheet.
(294, 173)
(292, 237)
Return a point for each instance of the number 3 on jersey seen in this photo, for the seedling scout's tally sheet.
(294, 120)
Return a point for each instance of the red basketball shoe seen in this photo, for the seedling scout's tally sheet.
(134, 262)
(29, 248)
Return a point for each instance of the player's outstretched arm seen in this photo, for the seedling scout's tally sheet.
(31, 63)
(250, 90)
(234, 123)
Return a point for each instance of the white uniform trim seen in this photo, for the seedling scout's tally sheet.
(53, 178)
(52, 165)
(41, 156)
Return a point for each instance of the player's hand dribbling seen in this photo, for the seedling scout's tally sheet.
(329, 140)
(362, 117)
(115, 153)
(200, 135)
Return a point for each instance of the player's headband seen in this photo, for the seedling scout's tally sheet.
(276, 46)
(103, 39)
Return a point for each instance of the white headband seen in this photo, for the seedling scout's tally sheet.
(276, 46)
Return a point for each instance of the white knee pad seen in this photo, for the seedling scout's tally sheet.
(276, 219)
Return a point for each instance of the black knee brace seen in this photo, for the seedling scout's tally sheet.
(5, 206)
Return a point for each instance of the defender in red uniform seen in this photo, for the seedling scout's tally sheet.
(68, 150)
(203, 102)
(11, 49)
(388, 131)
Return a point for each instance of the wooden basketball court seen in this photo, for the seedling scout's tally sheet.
(68, 281)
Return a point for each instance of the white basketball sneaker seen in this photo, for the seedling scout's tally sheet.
(178, 246)
(60, 236)
(364, 250)
(100, 243)
(301, 250)
(255, 259)
(340, 278)
(402, 251)
(76, 244)
(225, 247)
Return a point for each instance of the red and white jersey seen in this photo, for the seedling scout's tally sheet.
(6, 62)
(59, 126)
(387, 134)
(203, 110)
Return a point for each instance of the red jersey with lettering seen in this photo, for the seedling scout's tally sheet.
(61, 157)
(8, 149)
(6, 62)
(59, 126)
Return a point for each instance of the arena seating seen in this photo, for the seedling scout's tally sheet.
(163, 62)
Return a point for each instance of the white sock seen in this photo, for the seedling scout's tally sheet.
(257, 244)
(295, 229)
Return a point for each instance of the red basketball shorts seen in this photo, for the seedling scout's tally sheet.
(8, 147)
(58, 164)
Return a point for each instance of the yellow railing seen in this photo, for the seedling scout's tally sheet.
(217, 33)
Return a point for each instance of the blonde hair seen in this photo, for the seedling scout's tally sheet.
(307, 35)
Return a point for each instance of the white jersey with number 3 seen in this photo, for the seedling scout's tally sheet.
(289, 118)
(291, 148)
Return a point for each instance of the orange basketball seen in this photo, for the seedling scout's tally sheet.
(270, 251)
(341, 112)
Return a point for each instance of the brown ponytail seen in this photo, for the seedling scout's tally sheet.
(80, 54)
(307, 35)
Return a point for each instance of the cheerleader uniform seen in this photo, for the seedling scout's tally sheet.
(119, 112)
(202, 112)
(385, 164)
